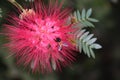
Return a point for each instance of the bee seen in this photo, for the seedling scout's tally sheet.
(60, 43)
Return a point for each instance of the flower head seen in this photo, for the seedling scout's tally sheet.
(41, 38)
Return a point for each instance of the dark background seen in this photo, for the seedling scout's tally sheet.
(106, 66)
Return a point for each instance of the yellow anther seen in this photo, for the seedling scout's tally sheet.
(73, 20)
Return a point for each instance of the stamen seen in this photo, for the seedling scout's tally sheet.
(60, 47)
(16, 4)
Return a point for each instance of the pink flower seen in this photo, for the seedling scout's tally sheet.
(40, 37)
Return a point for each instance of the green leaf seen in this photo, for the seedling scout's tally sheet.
(89, 24)
(92, 20)
(84, 47)
(83, 24)
(78, 16)
(91, 41)
(92, 53)
(87, 51)
(80, 47)
(75, 14)
(88, 37)
(83, 14)
(84, 35)
(89, 12)
(96, 46)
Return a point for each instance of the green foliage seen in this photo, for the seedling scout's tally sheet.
(85, 42)
(84, 17)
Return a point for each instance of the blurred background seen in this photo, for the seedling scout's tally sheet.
(106, 66)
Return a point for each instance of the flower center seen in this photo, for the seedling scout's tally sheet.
(46, 33)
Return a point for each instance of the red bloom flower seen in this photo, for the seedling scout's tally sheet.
(41, 38)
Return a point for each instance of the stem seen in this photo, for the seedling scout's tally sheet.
(16, 4)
